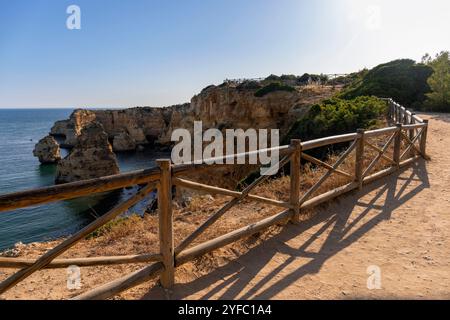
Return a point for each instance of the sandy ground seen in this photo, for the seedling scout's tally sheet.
(400, 225)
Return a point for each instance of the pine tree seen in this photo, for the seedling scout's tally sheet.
(439, 82)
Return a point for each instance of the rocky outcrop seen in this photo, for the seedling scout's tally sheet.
(71, 129)
(124, 142)
(47, 150)
(91, 157)
(234, 107)
(142, 125)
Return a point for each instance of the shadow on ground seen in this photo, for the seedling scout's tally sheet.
(239, 273)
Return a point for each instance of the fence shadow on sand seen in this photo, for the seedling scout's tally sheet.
(232, 281)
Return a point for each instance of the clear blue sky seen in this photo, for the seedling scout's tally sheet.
(161, 52)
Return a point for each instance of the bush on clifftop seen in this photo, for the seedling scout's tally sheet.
(403, 80)
(338, 116)
(274, 86)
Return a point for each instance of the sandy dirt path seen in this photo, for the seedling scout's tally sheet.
(400, 225)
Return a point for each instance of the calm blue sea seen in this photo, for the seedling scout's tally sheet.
(20, 130)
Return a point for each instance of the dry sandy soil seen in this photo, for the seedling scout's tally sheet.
(400, 225)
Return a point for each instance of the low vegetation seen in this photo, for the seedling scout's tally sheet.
(338, 116)
(298, 80)
(272, 87)
(403, 80)
(439, 97)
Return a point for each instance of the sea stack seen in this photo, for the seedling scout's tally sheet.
(92, 157)
(47, 150)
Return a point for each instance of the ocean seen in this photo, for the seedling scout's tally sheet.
(20, 130)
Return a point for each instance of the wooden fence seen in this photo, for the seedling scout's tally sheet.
(407, 139)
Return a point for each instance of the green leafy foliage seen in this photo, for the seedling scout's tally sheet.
(403, 80)
(272, 87)
(338, 116)
(439, 82)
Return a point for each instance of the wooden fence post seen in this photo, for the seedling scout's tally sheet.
(391, 110)
(398, 144)
(166, 223)
(359, 158)
(412, 133)
(295, 179)
(423, 140)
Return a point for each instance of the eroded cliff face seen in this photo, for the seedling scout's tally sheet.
(223, 107)
(92, 157)
(228, 106)
(126, 129)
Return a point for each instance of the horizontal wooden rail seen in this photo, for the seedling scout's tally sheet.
(15, 263)
(117, 286)
(417, 118)
(413, 126)
(322, 142)
(182, 169)
(379, 132)
(76, 189)
(236, 194)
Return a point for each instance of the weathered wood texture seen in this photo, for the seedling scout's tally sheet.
(18, 263)
(166, 223)
(294, 197)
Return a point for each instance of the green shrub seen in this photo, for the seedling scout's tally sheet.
(288, 77)
(338, 116)
(439, 82)
(272, 87)
(249, 85)
(305, 78)
(272, 77)
(403, 80)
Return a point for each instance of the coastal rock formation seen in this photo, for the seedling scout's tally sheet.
(143, 125)
(226, 106)
(47, 150)
(124, 142)
(92, 157)
(230, 105)
(233, 107)
(71, 129)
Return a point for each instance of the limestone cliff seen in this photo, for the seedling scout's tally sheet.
(228, 106)
(127, 128)
(47, 150)
(92, 157)
(225, 106)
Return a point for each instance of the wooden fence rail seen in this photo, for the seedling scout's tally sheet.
(409, 133)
